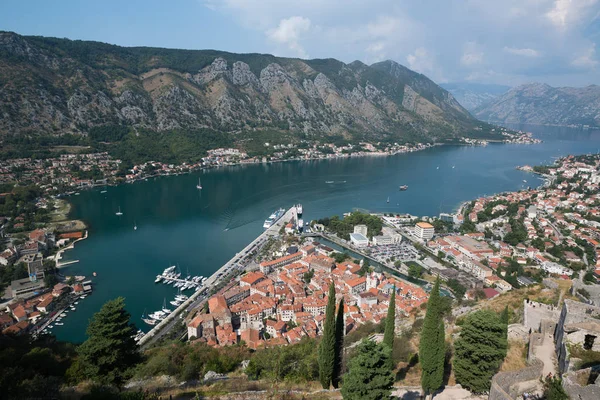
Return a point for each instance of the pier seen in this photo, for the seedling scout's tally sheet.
(238, 261)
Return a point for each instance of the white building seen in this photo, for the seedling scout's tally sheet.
(554, 268)
(359, 240)
(424, 230)
(362, 229)
(382, 240)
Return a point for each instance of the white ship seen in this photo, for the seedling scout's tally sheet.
(119, 213)
(158, 278)
(273, 218)
(299, 209)
(199, 185)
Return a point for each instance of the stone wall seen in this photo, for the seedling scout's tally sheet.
(503, 382)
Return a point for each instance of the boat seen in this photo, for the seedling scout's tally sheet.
(438, 167)
(403, 187)
(119, 213)
(158, 278)
(388, 199)
(175, 303)
(199, 185)
(273, 218)
(299, 209)
(59, 323)
(103, 191)
(453, 166)
(63, 315)
(164, 307)
(76, 303)
(50, 327)
(524, 181)
(134, 226)
(204, 279)
(328, 181)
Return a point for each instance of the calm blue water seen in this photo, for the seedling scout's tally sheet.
(200, 231)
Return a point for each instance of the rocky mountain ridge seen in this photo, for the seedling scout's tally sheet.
(473, 95)
(55, 86)
(542, 104)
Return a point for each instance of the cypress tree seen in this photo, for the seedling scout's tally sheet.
(390, 321)
(432, 350)
(339, 345)
(326, 355)
(504, 320)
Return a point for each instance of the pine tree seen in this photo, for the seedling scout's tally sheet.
(432, 349)
(339, 345)
(389, 333)
(326, 356)
(110, 351)
(479, 351)
(369, 376)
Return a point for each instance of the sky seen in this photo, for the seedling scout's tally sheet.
(479, 41)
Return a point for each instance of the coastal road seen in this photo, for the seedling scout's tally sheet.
(239, 261)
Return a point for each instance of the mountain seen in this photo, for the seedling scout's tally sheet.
(541, 104)
(57, 86)
(473, 95)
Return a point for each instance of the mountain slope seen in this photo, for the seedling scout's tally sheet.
(53, 86)
(538, 103)
(473, 95)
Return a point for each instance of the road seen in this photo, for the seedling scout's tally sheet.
(238, 262)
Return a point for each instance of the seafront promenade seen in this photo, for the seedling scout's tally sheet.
(238, 262)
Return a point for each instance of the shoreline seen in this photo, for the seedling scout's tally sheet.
(59, 253)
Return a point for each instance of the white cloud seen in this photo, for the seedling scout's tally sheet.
(565, 13)
(525, 52)
(288, 33)
(472, 56)
(587, 59)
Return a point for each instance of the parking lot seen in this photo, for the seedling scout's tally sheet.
(391, 253)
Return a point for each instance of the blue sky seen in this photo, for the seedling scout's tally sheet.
(482, 41)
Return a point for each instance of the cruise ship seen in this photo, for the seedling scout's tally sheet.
(273, 218)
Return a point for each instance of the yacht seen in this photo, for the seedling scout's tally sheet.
(119, 213)
(403, 187)
(175, 303)
(388, 199)
(273, 218)
(158, 278)
(199, 185)
(204, 279)
(299, 209)
(59, 323)
(103, 191)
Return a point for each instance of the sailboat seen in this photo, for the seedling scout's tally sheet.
(147, 320)
(134, 226)
(164, 307)
(199, 185)
(119, 213)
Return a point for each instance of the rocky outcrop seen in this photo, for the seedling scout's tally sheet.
(541, 104)
(54, 86)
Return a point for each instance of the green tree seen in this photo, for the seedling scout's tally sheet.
(110, 352)
(339, 345)
(327, 346)
(504, 320)
(390, 321)
(553, 389)
(369, 376)
(415, 271)
(432, 349)
(479, 351)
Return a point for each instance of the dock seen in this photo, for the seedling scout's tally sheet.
(237, 261)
